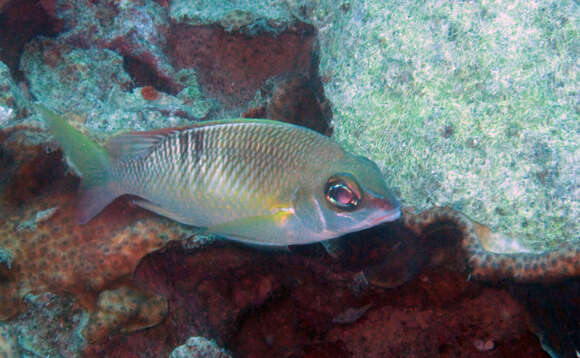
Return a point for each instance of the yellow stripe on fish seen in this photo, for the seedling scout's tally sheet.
(257, 181)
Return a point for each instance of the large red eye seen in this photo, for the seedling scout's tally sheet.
(342, 192)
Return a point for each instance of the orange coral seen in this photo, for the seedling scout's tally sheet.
(232, 66)
(52, 253)
(149, 93)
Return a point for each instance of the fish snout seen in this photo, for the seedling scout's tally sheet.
(388, 209)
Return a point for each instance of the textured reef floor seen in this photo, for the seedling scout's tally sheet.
(133, 284)
(472, 105)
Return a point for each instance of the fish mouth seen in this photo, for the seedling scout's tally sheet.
(389, 207)
(391, 215)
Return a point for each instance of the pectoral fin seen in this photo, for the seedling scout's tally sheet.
(265, 230)
(308, 211)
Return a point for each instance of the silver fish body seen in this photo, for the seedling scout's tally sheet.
(256, 181)
(209, 175)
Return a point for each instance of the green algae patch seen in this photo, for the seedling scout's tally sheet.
(471, 105)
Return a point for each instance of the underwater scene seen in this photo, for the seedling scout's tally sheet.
(289, 178)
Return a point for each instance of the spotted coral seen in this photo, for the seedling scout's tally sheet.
(58, 255)
(550, 265)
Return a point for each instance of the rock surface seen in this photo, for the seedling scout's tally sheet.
(199, 347)
(472, 105)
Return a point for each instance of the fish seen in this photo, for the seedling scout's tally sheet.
(256, 181)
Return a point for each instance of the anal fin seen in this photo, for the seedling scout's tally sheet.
(264, 230)
(159, 210)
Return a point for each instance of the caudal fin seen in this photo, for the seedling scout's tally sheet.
(97, 189)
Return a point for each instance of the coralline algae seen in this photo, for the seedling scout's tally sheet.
(199, 347)
(10, 97)
(471, 105)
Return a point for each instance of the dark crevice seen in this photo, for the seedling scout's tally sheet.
(6, 162)
(35, 176)
(144, 74)
(21, 21)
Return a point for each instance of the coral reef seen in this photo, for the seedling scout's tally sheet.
(199, 347)
(445, 108)
(468, 105)
(8, 96)
(248, 17)
(293, 98)
(124, 310)
(275, 303)
(21, 21)
(233, 50)
(551, 265)
(244, 62)
(93, 83)
(134, 30)
(35, 328)
(47, 251)
(7, 346)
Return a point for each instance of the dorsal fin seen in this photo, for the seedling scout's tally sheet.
(136, 145)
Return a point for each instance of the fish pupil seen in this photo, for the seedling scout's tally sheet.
(340, 195)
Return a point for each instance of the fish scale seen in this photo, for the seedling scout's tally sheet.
(232, 170)
(256, 181)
